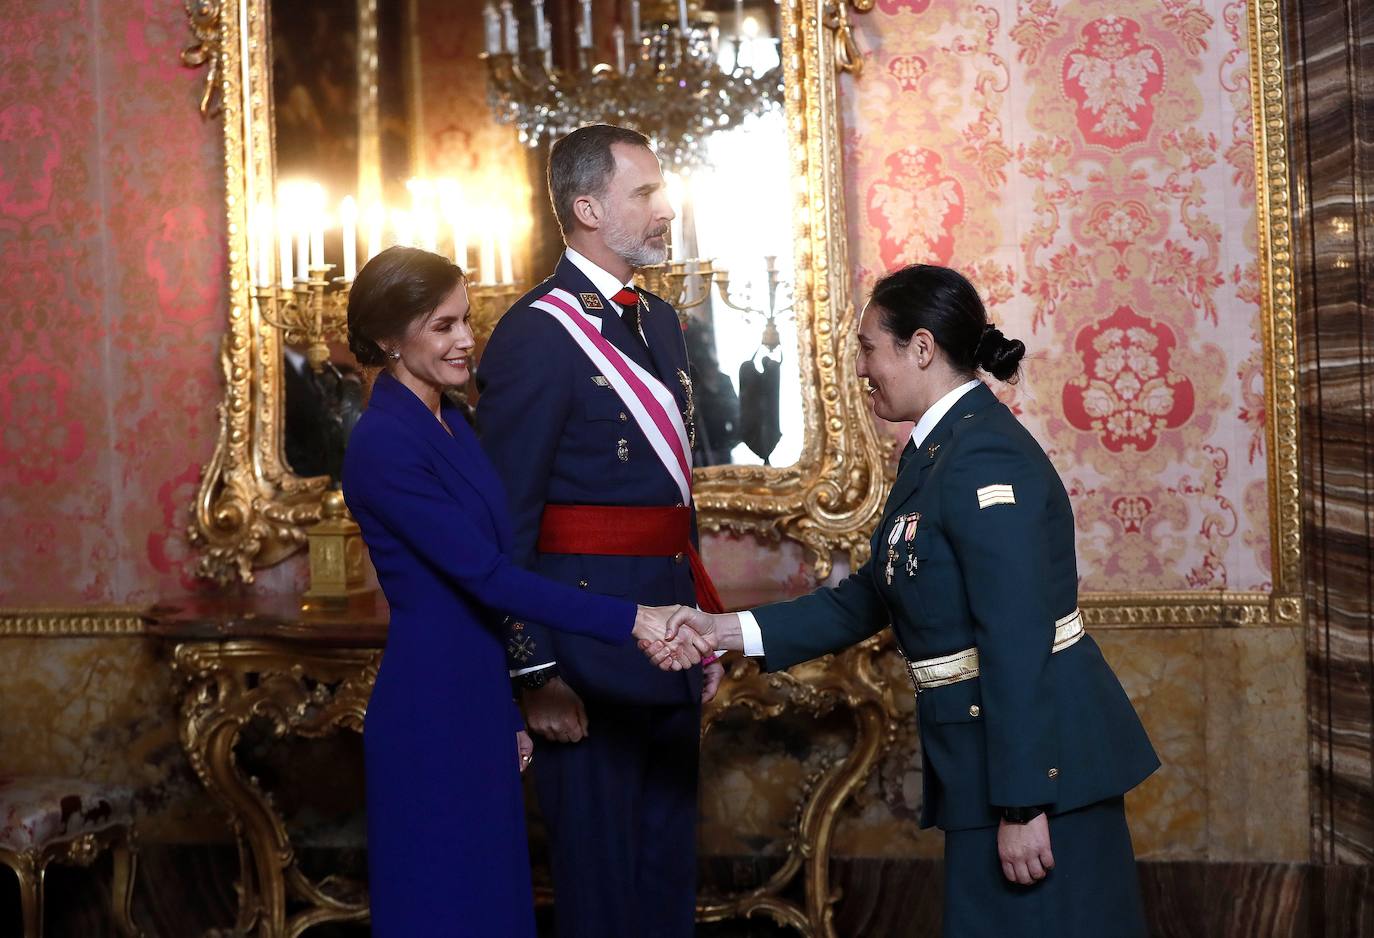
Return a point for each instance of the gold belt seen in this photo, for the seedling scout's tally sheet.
(963, 665)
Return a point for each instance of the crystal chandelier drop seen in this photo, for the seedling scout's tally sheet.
(673, 78)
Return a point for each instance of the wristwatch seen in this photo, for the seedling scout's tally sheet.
(533, 680)
(1022, 815)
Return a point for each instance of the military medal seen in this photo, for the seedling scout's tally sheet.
(622, 450)
(892, 538)
(912, 521)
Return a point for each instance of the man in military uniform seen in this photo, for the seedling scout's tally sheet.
(584, 409)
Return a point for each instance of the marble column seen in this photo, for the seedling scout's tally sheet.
(1330, 63)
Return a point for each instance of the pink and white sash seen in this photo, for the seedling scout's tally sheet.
(648, 401)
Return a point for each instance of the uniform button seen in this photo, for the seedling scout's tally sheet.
(1054, 773)
(678, 557)
(581, 584)
(974, 710)
(624, 416)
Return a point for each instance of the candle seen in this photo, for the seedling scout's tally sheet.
(302, 246)
(634, 21)
(618, 34)
(401, 223)
(451, 206)
(587, 24)
(548, 48)
(488, 258)
(512, 35)
(317, 241)
(681, 15)
(348, 219)
(739, 24)
(492, 21)
(376, 217)
(284, 250)
(507, 269)
(541, 40)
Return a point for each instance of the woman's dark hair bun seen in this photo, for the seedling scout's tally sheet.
(365, 350)
(998, 355)
(943, 302)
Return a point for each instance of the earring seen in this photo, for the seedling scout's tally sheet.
(394, 355)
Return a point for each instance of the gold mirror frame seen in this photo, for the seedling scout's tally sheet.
(252, 511)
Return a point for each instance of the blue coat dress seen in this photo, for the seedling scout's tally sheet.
(447, 852)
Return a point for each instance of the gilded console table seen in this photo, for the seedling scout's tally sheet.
(306, 675)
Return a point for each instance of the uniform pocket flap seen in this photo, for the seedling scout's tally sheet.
(956, 703)
(605, 405)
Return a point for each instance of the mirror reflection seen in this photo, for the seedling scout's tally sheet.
(390, 127)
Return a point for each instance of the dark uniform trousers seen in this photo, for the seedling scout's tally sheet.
(976, 550)
(621, 804)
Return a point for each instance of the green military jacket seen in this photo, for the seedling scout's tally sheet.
(976, 549)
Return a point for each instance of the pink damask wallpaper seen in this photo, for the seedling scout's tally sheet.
(1091, 168)
(112, 261)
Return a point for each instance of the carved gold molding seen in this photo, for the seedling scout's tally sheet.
(851, 682)
(251, 510)
(1273, 208)
(69, 622)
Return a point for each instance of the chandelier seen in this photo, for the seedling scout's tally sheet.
(672, 78)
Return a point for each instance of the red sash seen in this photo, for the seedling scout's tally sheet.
(620, 531)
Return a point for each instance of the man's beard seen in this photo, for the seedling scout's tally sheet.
(631, 247)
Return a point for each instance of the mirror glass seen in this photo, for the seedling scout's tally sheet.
(379, 106)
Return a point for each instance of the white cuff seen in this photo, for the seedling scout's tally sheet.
(537, 667)
(751, 634)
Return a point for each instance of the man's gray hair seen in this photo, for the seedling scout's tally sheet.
(581, 164)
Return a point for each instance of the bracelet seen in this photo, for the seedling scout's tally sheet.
(710, 659)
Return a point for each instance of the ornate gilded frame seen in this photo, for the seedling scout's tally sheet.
(252, 510)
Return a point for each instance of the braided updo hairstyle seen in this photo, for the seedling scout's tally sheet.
(941, 301)
(395, 288)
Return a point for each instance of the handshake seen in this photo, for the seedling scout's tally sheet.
(679, 637)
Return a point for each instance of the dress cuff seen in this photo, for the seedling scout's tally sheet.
(537, 667)
(751, 634)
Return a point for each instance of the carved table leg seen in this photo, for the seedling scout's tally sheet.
(124, 866)
(28, 869)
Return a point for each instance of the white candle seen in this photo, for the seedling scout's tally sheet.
(317, 238)
(451, 206)
(284, 250)
(634, 22)
(540, 38)
(507, 269)
(739, 24)
(402, 223)
(587, 23)
(618, 35)
(376, 218)
(348, 219)
(508, 27)
(488, 259)
(492, 21)
(303, 246)
(682, 16)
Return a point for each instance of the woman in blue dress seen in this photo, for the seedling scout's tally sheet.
(443, 741)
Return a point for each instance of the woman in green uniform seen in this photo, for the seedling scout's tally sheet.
(1028, 740)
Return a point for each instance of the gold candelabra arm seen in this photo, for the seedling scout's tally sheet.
(307, 313)
(672, 280)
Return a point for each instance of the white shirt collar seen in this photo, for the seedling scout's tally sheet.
(937, 412)
(606, 283)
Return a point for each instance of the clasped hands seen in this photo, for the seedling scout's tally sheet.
(679, 637)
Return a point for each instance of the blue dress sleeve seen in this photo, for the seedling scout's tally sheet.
(403, 492)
